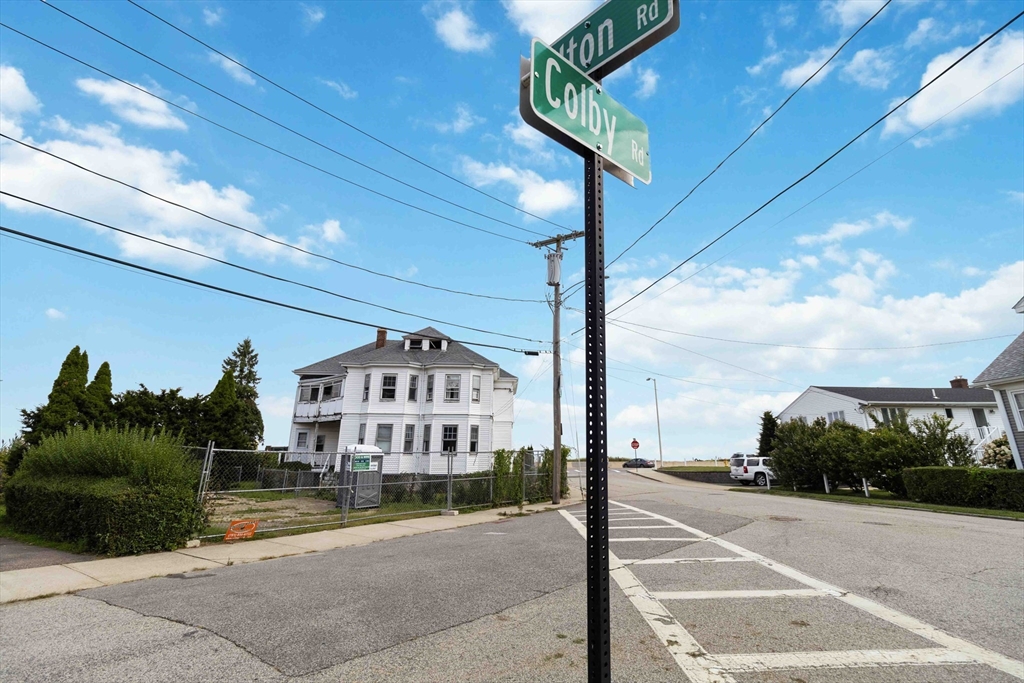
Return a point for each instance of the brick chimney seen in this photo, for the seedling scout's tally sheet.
(382, 338)
(959, 382)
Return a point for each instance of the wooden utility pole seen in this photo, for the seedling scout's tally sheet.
(555, 280)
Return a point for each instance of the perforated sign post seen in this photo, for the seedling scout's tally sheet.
(634, 445)
(561, 96)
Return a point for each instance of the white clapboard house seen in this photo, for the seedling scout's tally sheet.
(973, 411)
(1005, 378)
(418, 399)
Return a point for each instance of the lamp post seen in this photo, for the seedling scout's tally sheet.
(657, 416)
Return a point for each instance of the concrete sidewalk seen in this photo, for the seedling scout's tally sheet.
(37, 582)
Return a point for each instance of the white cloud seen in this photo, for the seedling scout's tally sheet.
(54, 314)
(16, 100)
(280, 407)
(786, 15)
(850, 13)
(766, 62)
(1016, 196)
(547, 19)
(984, 67)
(971, 271)
(464, 120)
(536, 195)
(312, 15)
(341, 88)
(796, 75)
(330, 230)
(457, 29)
(924, 32)
(232, 69)
(647, 83)
(213, 17)
(841, 230)
(870, 68)
(620, 73)
(526, 136)
(131, 105)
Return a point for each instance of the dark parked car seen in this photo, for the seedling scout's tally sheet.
(638, 462)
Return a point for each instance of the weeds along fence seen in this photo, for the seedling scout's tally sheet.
(298, 490)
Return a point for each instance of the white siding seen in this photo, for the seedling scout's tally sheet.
(815, 403)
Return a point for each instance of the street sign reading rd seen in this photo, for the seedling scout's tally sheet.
(567, 105)
(616, 32)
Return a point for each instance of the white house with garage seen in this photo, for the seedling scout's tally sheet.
(419, 399)
(1004, 377)
(973, 411)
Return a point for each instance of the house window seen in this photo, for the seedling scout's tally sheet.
(331, 391)
(366, 387)
(384, 437)
(474, 437)
(388, 385)
(1018, 404)
(837, 416)
(452, 384)
(314, 394)
(302, 440)
(980, 420)
(430, 388)
(426, 438)
(449, 437)
(890, 415)
(304, 395)
(410, 436)
(362, 434)
(321, 439)
(476, 389)
(949, 413)
(414, 381)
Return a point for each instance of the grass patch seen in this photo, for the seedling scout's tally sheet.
(884, 499)
(6, 531)
(694, 468)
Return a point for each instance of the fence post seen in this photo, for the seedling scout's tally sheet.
(348, 488)
(825, 477)
(522, 462)
(451, 460)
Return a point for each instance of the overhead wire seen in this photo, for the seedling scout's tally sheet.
(264, 274)
(264, 145)
(802, 178)
(815, 199)
(343, 121)
(233, 292)
(259, 234)
(752, 133)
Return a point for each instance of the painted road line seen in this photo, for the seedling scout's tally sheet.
(658, 526)
(689, 655)
(983, 655)
(644, 540)
(686, 560)
(848, 659)
(717, 595)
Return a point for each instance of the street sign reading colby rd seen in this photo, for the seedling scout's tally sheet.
(616, 32)
(571, 107)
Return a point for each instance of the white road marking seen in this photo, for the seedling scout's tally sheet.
(839, 660)
(715, 595)
(686, 560)
(657, 526)
(644, 539)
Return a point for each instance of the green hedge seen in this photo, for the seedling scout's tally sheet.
(966, 487)
(111, 515)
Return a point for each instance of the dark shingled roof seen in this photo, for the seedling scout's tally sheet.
(1007, 366)
(393, 352)
(913, 395)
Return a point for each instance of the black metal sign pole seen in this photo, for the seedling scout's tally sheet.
(599, 637)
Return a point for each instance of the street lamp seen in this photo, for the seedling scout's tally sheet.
(657, 416)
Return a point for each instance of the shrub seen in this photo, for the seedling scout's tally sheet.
(110, 515)
(966, 487)
(796, 456)
(997, 453)
(294, 466)
(839, 448)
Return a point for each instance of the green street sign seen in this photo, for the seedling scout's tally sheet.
(616, 32)
(360, 463)
(567, 105)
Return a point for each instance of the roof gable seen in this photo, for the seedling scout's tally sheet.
(1008, 365)
(394, 353)
(915, 395)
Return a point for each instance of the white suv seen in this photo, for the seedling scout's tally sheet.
(748, 468)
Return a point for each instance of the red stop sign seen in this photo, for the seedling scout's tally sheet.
(635, 445)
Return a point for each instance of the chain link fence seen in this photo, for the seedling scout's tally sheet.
(296, 490)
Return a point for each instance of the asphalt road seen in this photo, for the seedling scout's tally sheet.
(506, 602)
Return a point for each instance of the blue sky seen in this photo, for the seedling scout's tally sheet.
(925, 246)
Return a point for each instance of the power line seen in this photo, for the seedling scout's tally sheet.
(828, 159)
(801, 208)
(816, 348)
(752, 134)
(277, 123)
(258, 234)
(343, 121)
(236, 293)
(264, 145)
(261, 273)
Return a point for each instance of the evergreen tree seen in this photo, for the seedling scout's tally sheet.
(63, 407)
(223, 419)
(769, 425)
(169, 410)
(99, 398)
(242, 364)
